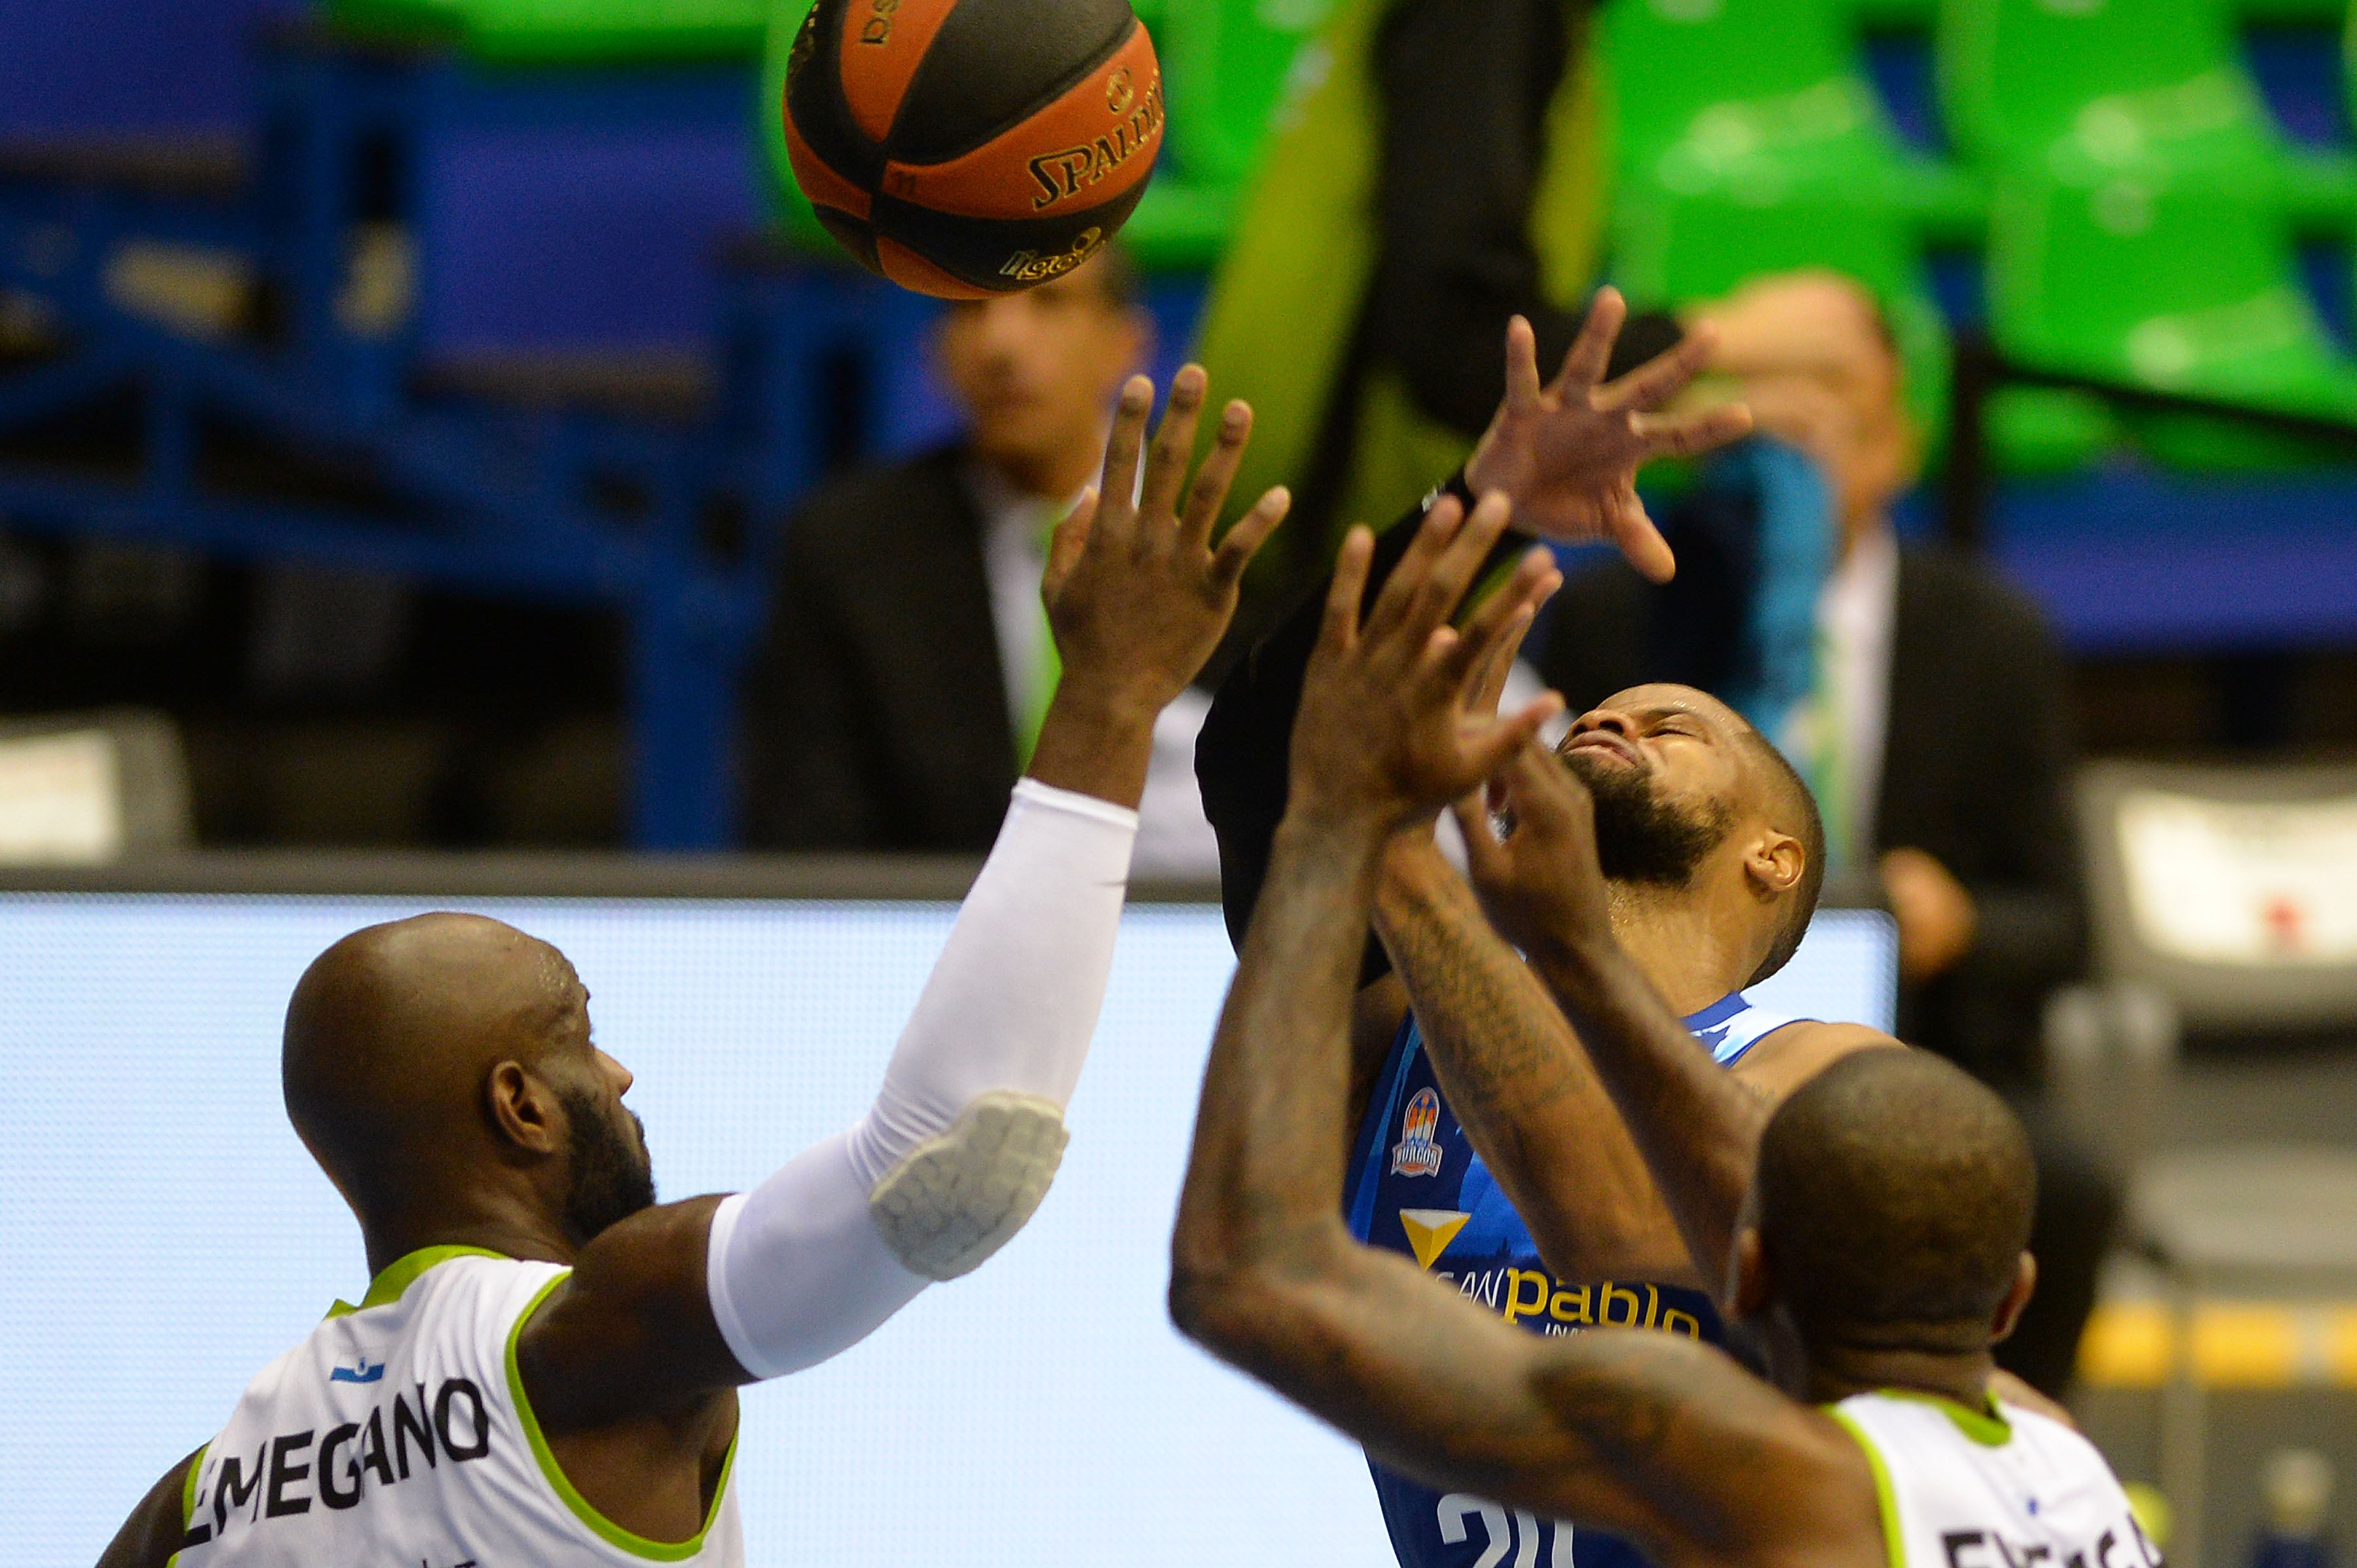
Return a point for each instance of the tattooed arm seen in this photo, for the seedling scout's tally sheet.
(158, 1528)
(1698, 1126)
(1646, 1434)
(1519, 1081)
(1515, 1075)
(1520, 1077)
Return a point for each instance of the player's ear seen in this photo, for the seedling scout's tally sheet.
(2008, 1311)
(523, 1109)
(1774, 863)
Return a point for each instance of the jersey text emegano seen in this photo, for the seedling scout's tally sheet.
(398, 1433)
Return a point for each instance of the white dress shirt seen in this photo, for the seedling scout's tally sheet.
(1173, 838)
(1856, 609)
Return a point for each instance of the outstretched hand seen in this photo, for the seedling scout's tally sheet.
(1388, 730)
(1537, 872)
(1137, 596)
(1567, 453)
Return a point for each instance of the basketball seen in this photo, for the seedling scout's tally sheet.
(966, 148)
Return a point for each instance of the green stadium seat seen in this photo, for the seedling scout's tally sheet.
(527, 31)
(2297, 12)
(1749, 141)
(1181, 225)
(2156, 84)
(2183, 285)
(1674, 249)
(1763, 100)
(560, 32)
(2154, 78)
(2349, 57)
(1894, 15)
(1226, 63)
(2145, 227)
(1226, 68)
(398, 18)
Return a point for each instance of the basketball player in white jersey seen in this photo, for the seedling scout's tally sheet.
(544, 1369)
(1870, 1230)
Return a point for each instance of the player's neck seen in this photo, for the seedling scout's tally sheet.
(508, 1229)
(1837, 1371)
(1691, 954)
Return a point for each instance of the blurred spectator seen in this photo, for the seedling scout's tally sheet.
(908, 663)
(1937, 736)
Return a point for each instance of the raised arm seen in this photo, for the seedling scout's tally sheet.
(1520, 1080)
(1697, 1125)
(1514, 1072)
(1524, 1084)
(960, 1144)
(1565, 454)
(1643, 1433)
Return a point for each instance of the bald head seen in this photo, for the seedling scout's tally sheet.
(393, 1039)
(1894, 1197)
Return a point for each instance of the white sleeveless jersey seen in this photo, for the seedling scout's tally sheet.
(1962, 1489)
(398, 1434)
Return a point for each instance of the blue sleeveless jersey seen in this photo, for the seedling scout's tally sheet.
(1416, 1186)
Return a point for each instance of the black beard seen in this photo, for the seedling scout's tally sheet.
(1640, 836)
(610, 1179)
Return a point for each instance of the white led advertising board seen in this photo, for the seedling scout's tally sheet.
(165, 1235)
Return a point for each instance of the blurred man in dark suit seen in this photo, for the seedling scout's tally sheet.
(1937, 739)
(908, 663)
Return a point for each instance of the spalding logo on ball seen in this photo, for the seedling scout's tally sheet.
(967, 148)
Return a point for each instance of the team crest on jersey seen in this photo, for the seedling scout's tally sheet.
(363, 1372)
(1418, 1150)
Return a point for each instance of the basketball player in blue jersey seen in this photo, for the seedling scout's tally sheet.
(544, 1369)
(1486, 1148)
(1870, 1230)
(1486, 1109)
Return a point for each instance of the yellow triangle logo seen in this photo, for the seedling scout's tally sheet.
(1429, 1231)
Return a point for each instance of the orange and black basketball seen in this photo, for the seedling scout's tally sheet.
(972, 147)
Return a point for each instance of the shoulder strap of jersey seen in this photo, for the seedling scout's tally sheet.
(1732, 1026)
(1726, 1028)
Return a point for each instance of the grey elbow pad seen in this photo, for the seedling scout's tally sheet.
(958, 1197)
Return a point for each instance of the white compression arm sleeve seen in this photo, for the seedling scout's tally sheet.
(814, 1259)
